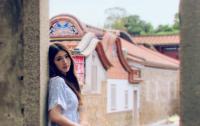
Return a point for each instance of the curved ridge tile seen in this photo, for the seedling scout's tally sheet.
(126, 36)
(107, 40)
(91, 46)
(131, 72)
(102, 56)
(84, 42)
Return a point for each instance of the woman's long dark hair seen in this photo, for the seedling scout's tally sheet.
(70, 77)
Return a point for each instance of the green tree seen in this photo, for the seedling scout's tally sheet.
(118, 24)
(135, 26)
(164, 28)
(117, 18)
(114, 16)
(176, 24)
(169, 29)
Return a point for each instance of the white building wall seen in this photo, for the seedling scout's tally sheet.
(122, 87)
(92, 61)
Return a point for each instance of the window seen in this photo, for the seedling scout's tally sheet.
(113, 96)
(94, 78)
(120, 95)
(126, 99)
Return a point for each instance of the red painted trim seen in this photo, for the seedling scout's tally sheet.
(102, 56)
(125, 64)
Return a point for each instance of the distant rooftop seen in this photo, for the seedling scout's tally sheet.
(157, 39)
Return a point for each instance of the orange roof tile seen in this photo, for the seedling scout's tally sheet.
(157, 39)
(133, 74)
(151, 58)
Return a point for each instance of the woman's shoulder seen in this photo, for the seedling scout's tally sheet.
(56, 79)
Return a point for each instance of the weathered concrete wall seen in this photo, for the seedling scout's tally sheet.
(159, 94)
(35, 60)
(23, 49)
(11, 60)
(96, 111)
(44, 44)
(190, 62)
(31, 62)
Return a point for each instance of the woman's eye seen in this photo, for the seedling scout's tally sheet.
(66, 56)
(58, 59)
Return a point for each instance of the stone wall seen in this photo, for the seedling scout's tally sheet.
(96, 111)
(44, 44)
(190, 66)
(23, 69)
(11, 60)
(159, 94)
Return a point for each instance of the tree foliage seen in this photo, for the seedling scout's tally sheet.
(114, 17)
(117, 18)
(135, 26)
(176, 24)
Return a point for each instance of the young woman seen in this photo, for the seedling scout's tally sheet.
(64, 102)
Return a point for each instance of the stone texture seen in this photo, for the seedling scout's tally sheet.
(23, 75)
(159, 94)
(11, 60)
(190, 66)
(44, 44)
(31, 62)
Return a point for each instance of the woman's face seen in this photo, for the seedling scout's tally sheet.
(62, 62)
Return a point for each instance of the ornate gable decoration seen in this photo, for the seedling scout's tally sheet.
(65, 27)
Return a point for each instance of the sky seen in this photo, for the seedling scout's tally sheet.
(92, 12)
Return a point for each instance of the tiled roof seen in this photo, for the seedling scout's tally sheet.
(117, 71)
(85, 41)
(70, 45)
(157, 39)
(86, 46)
(150, 58)
(132, 74)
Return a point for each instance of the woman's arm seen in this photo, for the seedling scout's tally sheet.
(56, 117)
